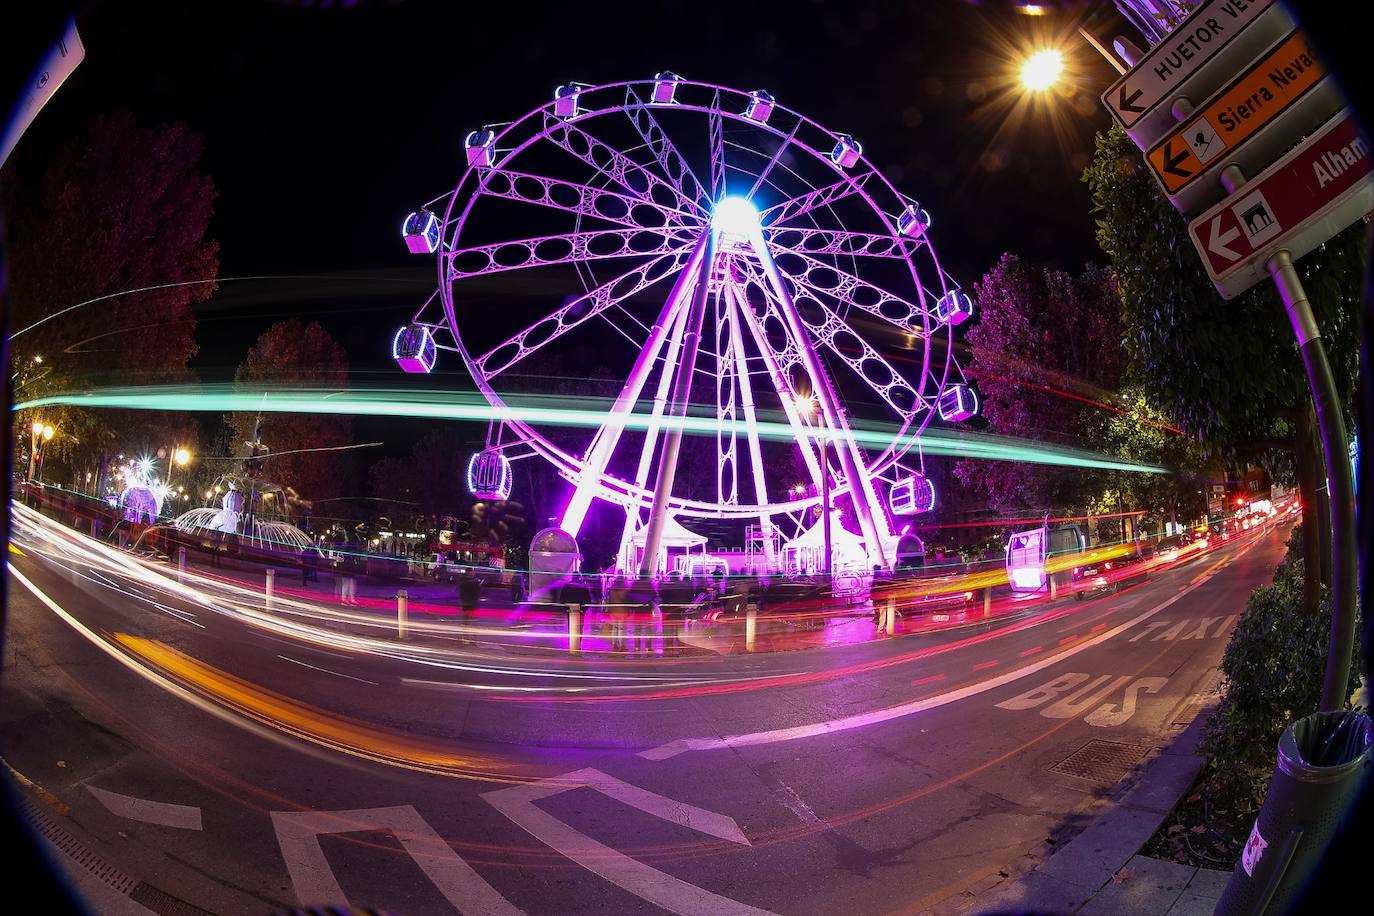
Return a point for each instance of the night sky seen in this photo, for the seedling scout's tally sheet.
(324, 126)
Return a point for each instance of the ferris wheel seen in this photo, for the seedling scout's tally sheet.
(766, 297)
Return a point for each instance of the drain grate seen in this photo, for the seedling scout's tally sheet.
(1101, 761)
(81, 855)
(164, 903)
(74, 849)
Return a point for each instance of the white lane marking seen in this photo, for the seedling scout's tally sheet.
(864, 719)
(298, 833)
(327, 671)
(794, 803)
(164, 814)
(672, 894)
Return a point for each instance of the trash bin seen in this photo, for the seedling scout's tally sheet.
(1323, 761)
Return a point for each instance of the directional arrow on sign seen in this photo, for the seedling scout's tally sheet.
(1171, 161)
(1126, 103)
(1219, 240)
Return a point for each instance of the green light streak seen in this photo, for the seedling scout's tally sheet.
(540, 410)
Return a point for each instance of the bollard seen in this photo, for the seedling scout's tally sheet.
(751, 627)
(574, 629)
(892, 618)
(401, 604)
(267, 587)
(1054, 587)
(987, 602)
(181, 564)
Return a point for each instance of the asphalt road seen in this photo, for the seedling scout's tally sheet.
(242, 759)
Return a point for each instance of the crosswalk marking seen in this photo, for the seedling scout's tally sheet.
(314, 881)
(660, 888)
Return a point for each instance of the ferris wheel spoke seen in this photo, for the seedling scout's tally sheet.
(568, 248)
(793, 207)
(674, 166)
(806, 241)
(778, 364)
(868, 364)
(616, 167)
(717, 149)
(726, 378)
(853, 291)
(589, 305)
(751, 421)
(872, 519)
(773, 160)
(598, 455)
(584, 200)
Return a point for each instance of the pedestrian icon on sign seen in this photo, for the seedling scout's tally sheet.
(1201, 141)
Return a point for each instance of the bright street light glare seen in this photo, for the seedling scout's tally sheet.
(47, 432)
(1041, 70)
(182, 456)
(38, 427)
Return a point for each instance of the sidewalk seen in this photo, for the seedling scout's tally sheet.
(1099, 872)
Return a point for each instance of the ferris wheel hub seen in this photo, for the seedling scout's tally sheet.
(735, 217)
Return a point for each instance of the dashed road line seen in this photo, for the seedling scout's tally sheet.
(327, 671)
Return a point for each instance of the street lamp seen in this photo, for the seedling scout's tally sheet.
(1042, 70)
(808, 408)
(180, 457)
(40, 431)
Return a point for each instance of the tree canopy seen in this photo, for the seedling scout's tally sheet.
(122, 211)
(1229, 373)
(1046, 347)
(292, 352)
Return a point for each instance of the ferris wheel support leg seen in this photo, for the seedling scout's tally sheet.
(863, 496)
(751, 423)
(609, 435)
(784, 391)
(646, 452)
(672, 440)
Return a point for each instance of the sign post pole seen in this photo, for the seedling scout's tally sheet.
(1340, 487)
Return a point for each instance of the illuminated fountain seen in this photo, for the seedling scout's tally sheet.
(230, 518)
(721, 243)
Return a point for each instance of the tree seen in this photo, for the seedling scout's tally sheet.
(1137, 431)
(122, 207)
(292, 352)
(1229, 373)
(1042, 332)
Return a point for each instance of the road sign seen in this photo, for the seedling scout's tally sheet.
(1286, 82)
(1299, 202)
(1196, 57)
